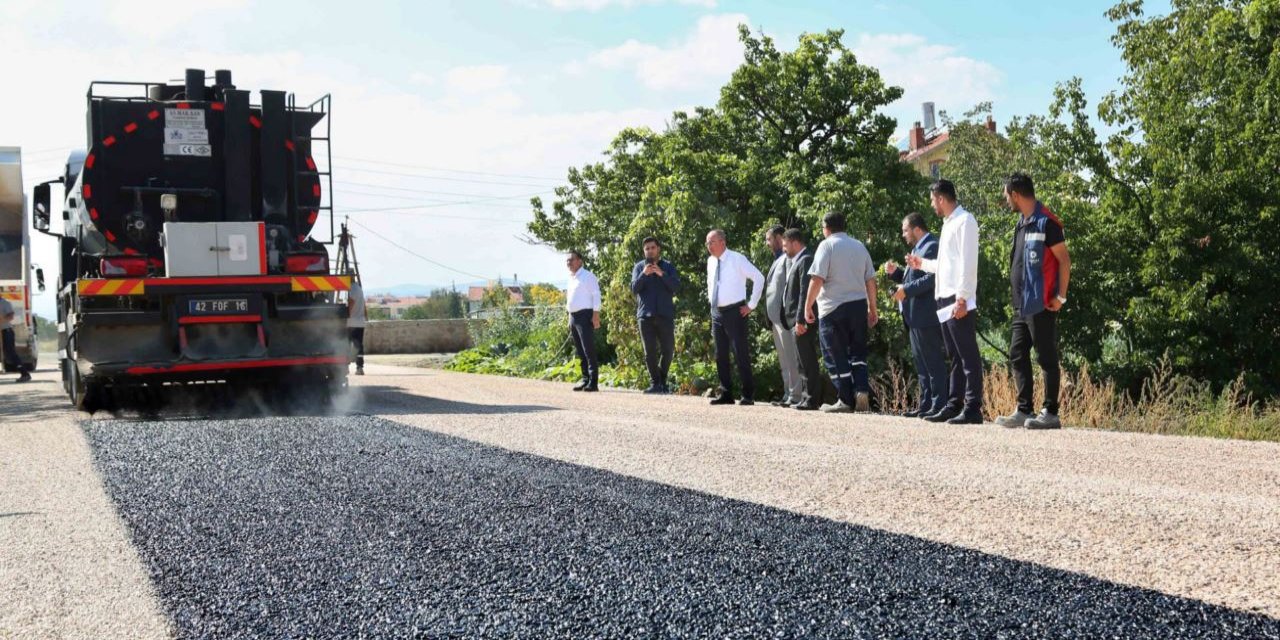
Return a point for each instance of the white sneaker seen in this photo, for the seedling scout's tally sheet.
(1015, 421)
(1045, 420)
(837, 407)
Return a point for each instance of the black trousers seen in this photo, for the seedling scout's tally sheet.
(961, 340)
(584, 343)
(931, 367)
(356, 334)
(1041, 332)
(815, 385)
(659, 336)
(10, 345)
(729, 329)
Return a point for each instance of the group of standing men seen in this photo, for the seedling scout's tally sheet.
(827, 298)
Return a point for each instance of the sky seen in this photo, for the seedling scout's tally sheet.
(448, 116)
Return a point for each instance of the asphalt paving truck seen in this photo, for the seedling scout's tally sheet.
(193, 245)
(16, 269)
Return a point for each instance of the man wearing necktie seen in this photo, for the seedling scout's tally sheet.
(582, 299)
(783, 340)
(919, 312)
(727, 275)
(805, 335)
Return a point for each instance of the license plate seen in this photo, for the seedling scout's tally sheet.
(217, 306)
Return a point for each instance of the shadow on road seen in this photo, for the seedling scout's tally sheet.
(388, 400)
(223, 402)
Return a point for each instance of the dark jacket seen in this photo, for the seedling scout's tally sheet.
(919, 310)
(1040, 265)
(654, 293)
(797, 290)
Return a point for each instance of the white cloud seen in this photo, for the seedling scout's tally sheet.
(597, 5)
(706, 57)
(927, 72)
(152, 19)
(478, 78)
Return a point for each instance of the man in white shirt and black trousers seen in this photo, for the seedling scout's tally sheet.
(583, 302)
(956, 290)
(727, 275)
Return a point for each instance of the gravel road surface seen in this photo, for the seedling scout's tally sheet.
(287, 527)
(67, 569)
(471, 505)
(1193, 517)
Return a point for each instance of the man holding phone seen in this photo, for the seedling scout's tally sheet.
(655, 282)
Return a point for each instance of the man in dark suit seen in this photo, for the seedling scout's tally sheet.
(799, 259)
(919, 313)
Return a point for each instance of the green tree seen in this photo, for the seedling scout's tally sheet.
(1169, 216)
(794, 135)
(1193, 172)
(497, 296)
(440, 304)
(1049, 148)
(543, 295)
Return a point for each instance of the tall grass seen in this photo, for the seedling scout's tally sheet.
(1169, 403)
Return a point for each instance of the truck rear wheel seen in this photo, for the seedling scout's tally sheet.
(86, 395)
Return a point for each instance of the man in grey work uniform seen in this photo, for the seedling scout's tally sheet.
(10, 342)
(842, 281)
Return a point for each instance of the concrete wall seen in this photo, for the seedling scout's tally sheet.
(417, 336)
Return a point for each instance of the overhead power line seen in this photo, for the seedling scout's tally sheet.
(416, 254)
(422, 176)
(432, 206)
(443, 170)
(432, 191)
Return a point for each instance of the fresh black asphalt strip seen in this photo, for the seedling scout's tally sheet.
(349, 526)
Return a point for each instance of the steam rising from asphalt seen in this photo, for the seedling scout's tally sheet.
(288, 396)
(287, 393)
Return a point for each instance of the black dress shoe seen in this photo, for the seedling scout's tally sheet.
(966, 418)
(746, 402)
(912, 414)
(591, 388)
(942, 416)
(806, 407)
(653, 388)
(580, 386)
(722, 399)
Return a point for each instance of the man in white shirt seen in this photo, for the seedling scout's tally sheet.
(957, 284)
(784, 341)
(727, 275)
(356, 321)
(583, 303)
